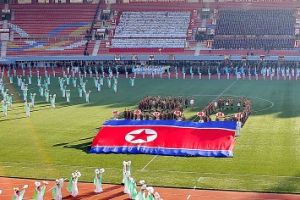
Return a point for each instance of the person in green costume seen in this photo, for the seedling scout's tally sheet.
(74, 81)
(27, 109)
(32, 98)
(87, 96)
(47, 93)
(132, 188)
(56, 190)
(52, 100)
(150, 195)
(68, 95)
(98, 180)
(39, 191)
(72, 186)
(80, 90)
(142, 193)
(41, 90)
(4, 107)
(18, 195)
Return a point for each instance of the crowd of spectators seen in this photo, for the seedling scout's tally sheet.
(153, 24)
(200, 37)
(255, 22)
(147, 43)
(253, 43)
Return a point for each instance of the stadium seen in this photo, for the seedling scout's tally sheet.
(150, 99)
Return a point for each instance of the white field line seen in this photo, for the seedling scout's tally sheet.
(221, 93)
(157, 171)
(194, 188)
(253, 111)
(149, 162)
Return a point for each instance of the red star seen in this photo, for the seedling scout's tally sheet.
(142, 135)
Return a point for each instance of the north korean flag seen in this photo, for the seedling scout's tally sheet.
(166, 137)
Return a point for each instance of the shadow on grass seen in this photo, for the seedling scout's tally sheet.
(11, 119)
(85, 146)
(287, 185)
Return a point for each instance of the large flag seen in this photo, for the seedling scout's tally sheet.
(166, 137)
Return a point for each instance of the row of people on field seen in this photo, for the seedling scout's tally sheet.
(130, 186)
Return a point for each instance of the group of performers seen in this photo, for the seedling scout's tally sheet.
(237, 68)
(43, 84)
(72, 187)
(130, 186)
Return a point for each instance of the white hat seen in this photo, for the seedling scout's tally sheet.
(73, 174)
(129, 163)
(25, 186)
(78, 174)
(56, 181)
(150, 189)
(142, 182)
(124, 162)
(97, 171)
(144, 187)
(102, 170)
(0, 191)
(37, 184)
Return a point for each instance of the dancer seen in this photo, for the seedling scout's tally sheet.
(132, 188)
(150, 195)
(39, 190)
(46, 93)
(72, 186)
(18, 195)
(32, 98)
(27, 108)
(87, 96)
(56, 190)
(98, 180)
(4, 107)
(142, 193)
(52, 100)
(80, 91)
(131, 81)
(126, 183)
(126, 167)
(68, 94)
(115, 86)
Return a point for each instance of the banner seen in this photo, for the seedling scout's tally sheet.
(166, 137)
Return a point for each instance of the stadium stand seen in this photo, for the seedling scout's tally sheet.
(50, 29)
(267, 29)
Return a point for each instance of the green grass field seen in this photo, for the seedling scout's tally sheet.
(52, 143)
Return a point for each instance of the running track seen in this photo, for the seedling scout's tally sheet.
(115, 192)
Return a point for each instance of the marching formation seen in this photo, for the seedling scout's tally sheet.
(130, 186)
(69, 79)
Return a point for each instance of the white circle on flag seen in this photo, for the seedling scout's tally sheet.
(141, 136)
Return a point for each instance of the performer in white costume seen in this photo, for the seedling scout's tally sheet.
(98, 180)
(72, 186)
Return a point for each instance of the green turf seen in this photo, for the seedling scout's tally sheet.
(53, 143)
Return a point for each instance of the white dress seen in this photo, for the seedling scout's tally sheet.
(74, 188)
(58, 195)
(98, 185)
(39, 194)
